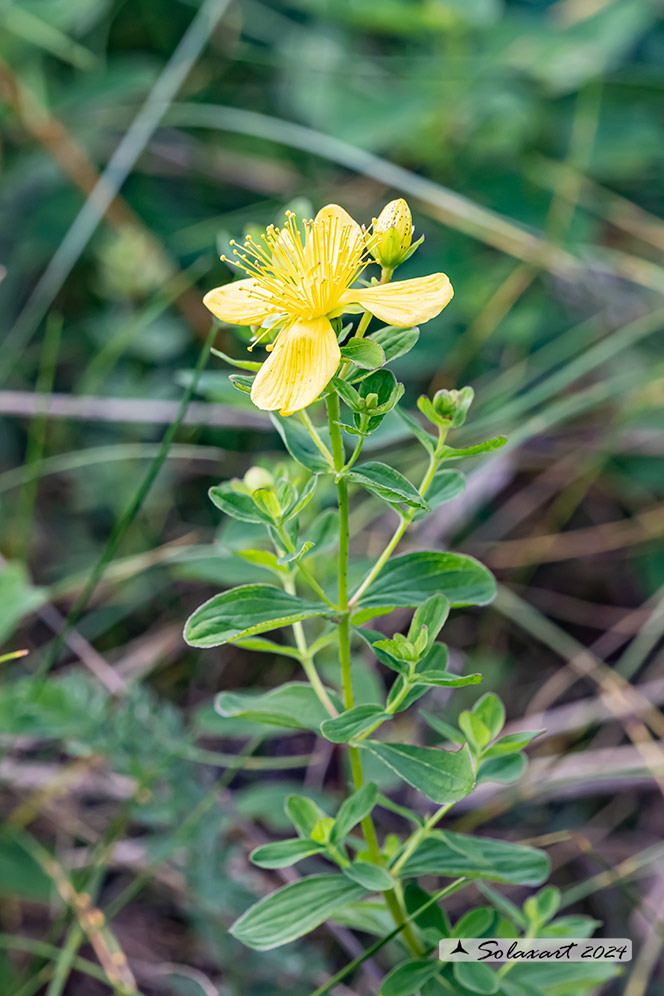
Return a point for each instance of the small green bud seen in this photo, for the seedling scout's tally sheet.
(392, 234)
(322, 830)
(258, 477)
(371, 401)
(453, 405)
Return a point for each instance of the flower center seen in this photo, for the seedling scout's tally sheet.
(303, 277)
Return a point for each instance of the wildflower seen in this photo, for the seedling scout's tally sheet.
(298, 284)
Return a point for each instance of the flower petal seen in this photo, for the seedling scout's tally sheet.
(406, 302)
(304, 358)
(239, 303)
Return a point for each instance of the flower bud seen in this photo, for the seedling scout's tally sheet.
(390, 241)
(453, 405)
(258, 477)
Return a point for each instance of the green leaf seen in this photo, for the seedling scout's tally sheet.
(294, 910)
(347, 393)
(261, 558)
(241, 382)
(303, 813)
(571, 926)
(352, 722)
(353, 810)
(365, 353)
(299, 443)
(387, 483)
(371, 877)
(384, 385)
(294, 705)
(296, 555)
(445, 729)
(443, 776)
(395, 342)
(433, 918)
(237, 505)
(240, 364)
(411, 579)
(406, 979)
(448, 452)
(454, 854)
(433, 614)
(265, 646)
(246, 611)
(492, 713)
(18, 598)
(511, 743)
(445, 679)
(508, 768)
(562, 978)
(304, 498)
(475, 730)
(283, 853)
(474, 923)
(475, 976)
(420, 433)
(543, 907)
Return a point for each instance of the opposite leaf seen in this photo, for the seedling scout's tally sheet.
(294, 705)
(388, 484)
(372, 877)
(454, 854)
(353, 810)
(411, 579)
(352, 723)
(284, 853)
(299, 444)
(246, 611)
(294, 910)
(443, 776)
(407, 979)
(365, 353)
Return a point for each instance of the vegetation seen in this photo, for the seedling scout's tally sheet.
(139, 773)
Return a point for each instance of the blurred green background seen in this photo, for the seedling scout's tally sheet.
(137, 139)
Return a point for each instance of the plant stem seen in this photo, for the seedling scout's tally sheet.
(419, 836)
(367, 824)
(355, 454)
(302, 568)
(306, 658)
(406, 520)
(363, 324)
(313, 432)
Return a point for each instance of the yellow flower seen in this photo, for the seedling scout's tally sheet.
(302, 283)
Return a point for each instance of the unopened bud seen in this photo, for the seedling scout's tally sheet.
(258, 477)
(390, 241)
(453, 405)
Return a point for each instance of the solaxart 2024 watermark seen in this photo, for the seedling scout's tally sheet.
(531, 949)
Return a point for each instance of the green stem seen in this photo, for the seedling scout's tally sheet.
(414, 842)
(363, 324)
(313, 432)
(306, 658)
(406, 520)
(302, 568)
(367, 824)
(355, 454)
